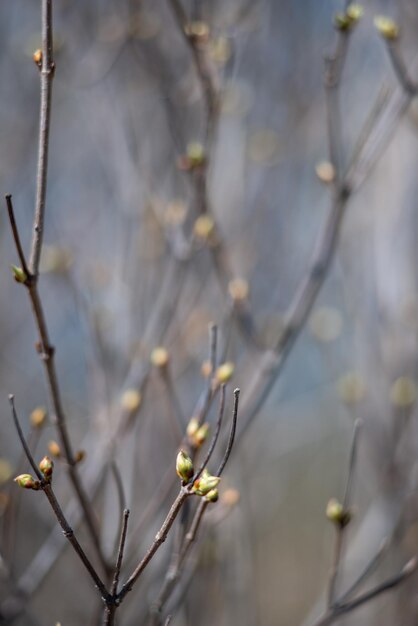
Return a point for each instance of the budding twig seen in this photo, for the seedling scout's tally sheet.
(68, 532)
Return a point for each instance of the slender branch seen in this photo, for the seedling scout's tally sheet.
(23, 441)
(65, 526)
(338, 610)
(16, 235)
(398, 64)
(352, 464)
(340, 528)
(368, 569)
(125, 519)
(160, 538)
(47, 352)
(46, 75)
(214, 438)
(231, 434)
(174, 572)
(119, 486)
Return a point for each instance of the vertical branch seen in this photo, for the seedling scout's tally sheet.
(47, 74)
(31, 269)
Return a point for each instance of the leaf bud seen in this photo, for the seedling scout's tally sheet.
(205, 483)
(79, 456)
(346, 21)
(26, 481)
(184, 466)
(195, 153)
(387, 27)
(159, 357)
(204, 227)
(336, 513)
(37, 417)
(19, 275)
(54, 449)
(225, 372)
(47, 467)
(192, 427)
(212, 496)
(238, 289)
(201, 434)
(130, 400)
(37, 57)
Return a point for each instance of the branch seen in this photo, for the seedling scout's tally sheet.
(160, 538)
(47, 74)
(214, 438)
(341, 527)
(338, 610)
(174, 572)
(68, 532)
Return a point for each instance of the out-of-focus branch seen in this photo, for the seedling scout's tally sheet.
(339, 610)
(344, 517)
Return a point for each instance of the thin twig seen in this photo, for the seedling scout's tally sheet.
(400, 69)
(340, 528)
(125, 519)
(160, 538)
(231, 434)
(23, 441)
(214, 438)
(364, 574)
(174, 571)
(16, 235)
(46, 75)
(338, 610)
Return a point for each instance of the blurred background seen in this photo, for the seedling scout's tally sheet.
(125, 269)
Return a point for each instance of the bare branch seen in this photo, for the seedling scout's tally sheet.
(16, 235)
(46, 74)
(214, 438)
(66, 528)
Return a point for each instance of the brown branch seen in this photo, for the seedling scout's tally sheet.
(119, 559)
(46, 352)
(46, 75)
(160, 538)
(16, 236)
(400, 69)
(214, 438)
(175, 570)
(68, 532)
(340, 528)
(338, 610)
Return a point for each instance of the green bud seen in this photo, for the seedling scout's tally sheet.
(192, 427)
(201, 434)
(355, 12)
(46, 466)
(184, 466)
(18, 274)
(387, 27)
(212, 496)
(205, 484)
(336, 513)
(26, 481)
(195, 154)
(346, 21)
